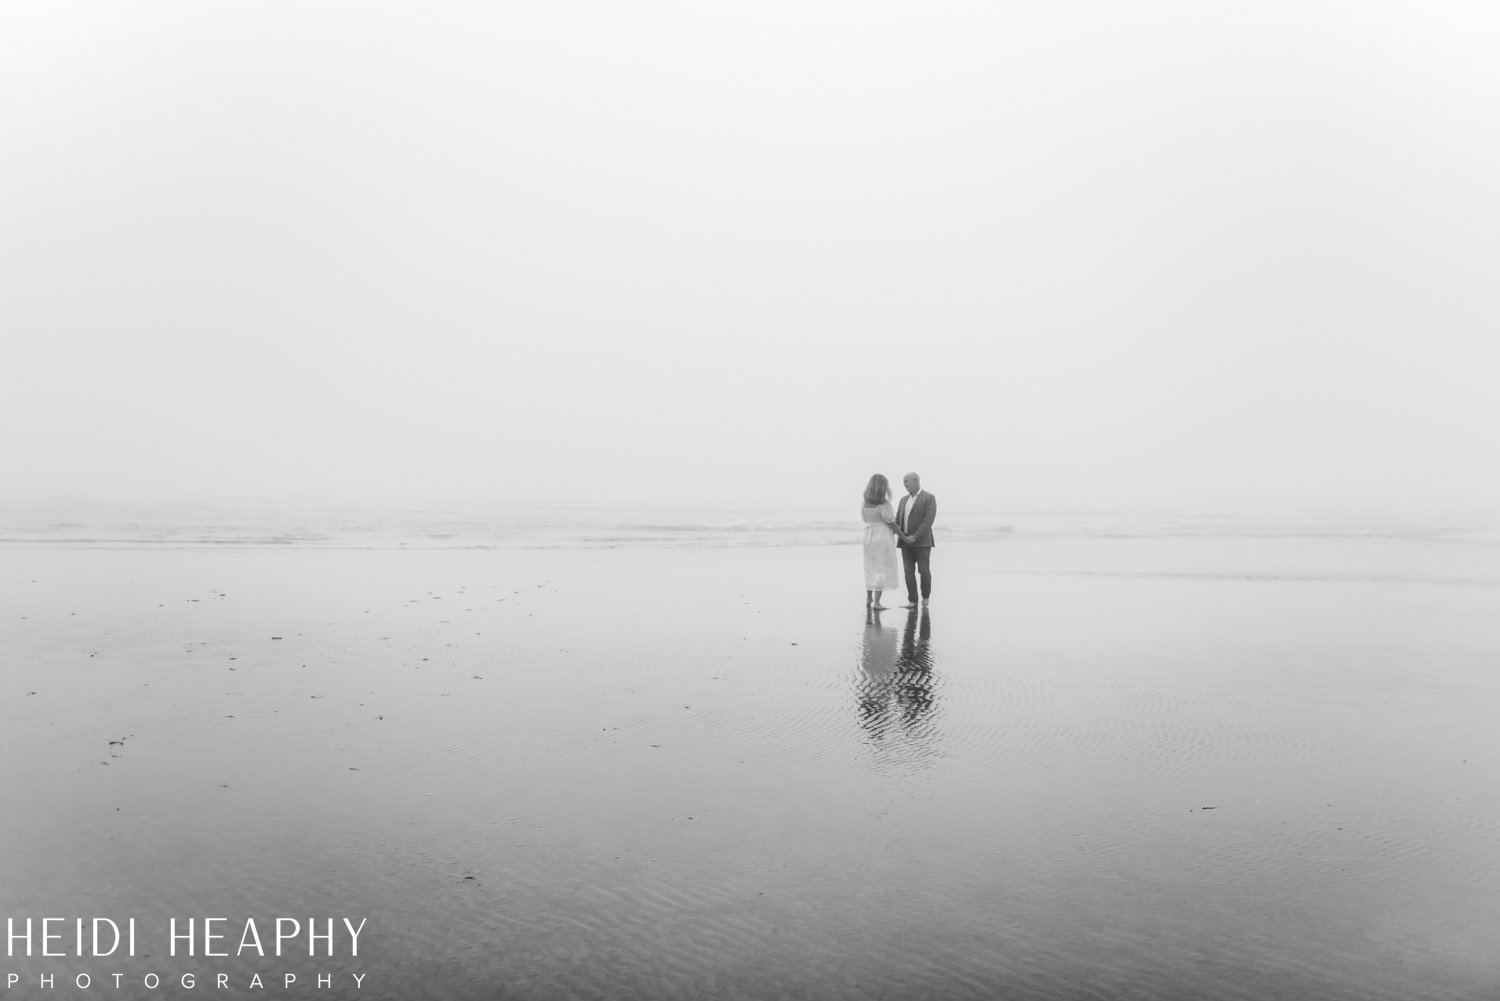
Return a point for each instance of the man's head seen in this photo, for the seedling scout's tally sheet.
(913, 483)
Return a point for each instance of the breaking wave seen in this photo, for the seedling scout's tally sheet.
(249, 526)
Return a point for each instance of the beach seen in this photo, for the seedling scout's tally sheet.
(1191, 766)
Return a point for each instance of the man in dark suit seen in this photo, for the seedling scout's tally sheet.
(914, 519)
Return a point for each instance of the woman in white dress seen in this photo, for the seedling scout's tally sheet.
(882, 567)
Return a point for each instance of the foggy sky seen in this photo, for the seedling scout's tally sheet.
(1169, 256)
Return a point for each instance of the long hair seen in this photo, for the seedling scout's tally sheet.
(878, 490)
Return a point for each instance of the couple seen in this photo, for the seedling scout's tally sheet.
(908, 527)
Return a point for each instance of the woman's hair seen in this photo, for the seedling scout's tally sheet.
(878, 490)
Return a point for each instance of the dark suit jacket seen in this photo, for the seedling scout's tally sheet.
(923, 512)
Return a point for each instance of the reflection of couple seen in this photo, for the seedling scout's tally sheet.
(909, 528)
(895, 691)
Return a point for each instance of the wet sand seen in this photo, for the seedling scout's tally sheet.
(1176, 769)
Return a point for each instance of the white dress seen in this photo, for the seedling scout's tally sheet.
(882, 567)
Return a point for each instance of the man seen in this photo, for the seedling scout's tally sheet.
(914, 519)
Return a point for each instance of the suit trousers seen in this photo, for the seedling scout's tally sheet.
(917, 560)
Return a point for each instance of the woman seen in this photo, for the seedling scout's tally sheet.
(882, 568)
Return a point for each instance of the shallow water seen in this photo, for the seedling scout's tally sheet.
(1128, 768)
